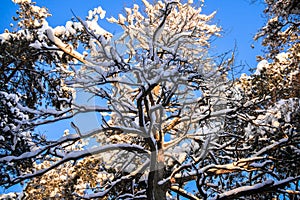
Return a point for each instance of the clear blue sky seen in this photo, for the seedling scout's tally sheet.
(239, 19)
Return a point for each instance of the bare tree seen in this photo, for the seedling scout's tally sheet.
(172, 124)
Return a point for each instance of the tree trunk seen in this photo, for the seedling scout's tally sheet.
(155, 191)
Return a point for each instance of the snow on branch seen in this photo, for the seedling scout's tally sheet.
(266, 186)
(246, 190)
(183, 193)
(76, 155)
(67, 48)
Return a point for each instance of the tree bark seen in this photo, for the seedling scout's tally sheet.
(157, 170)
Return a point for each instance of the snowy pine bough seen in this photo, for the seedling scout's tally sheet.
(171, 122)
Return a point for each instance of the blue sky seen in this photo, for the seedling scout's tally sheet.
(239, 19)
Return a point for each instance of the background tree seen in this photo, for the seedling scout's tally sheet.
(27, 82)
(281, 31)
(275, 86)
(33, 89)
(172, 120)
